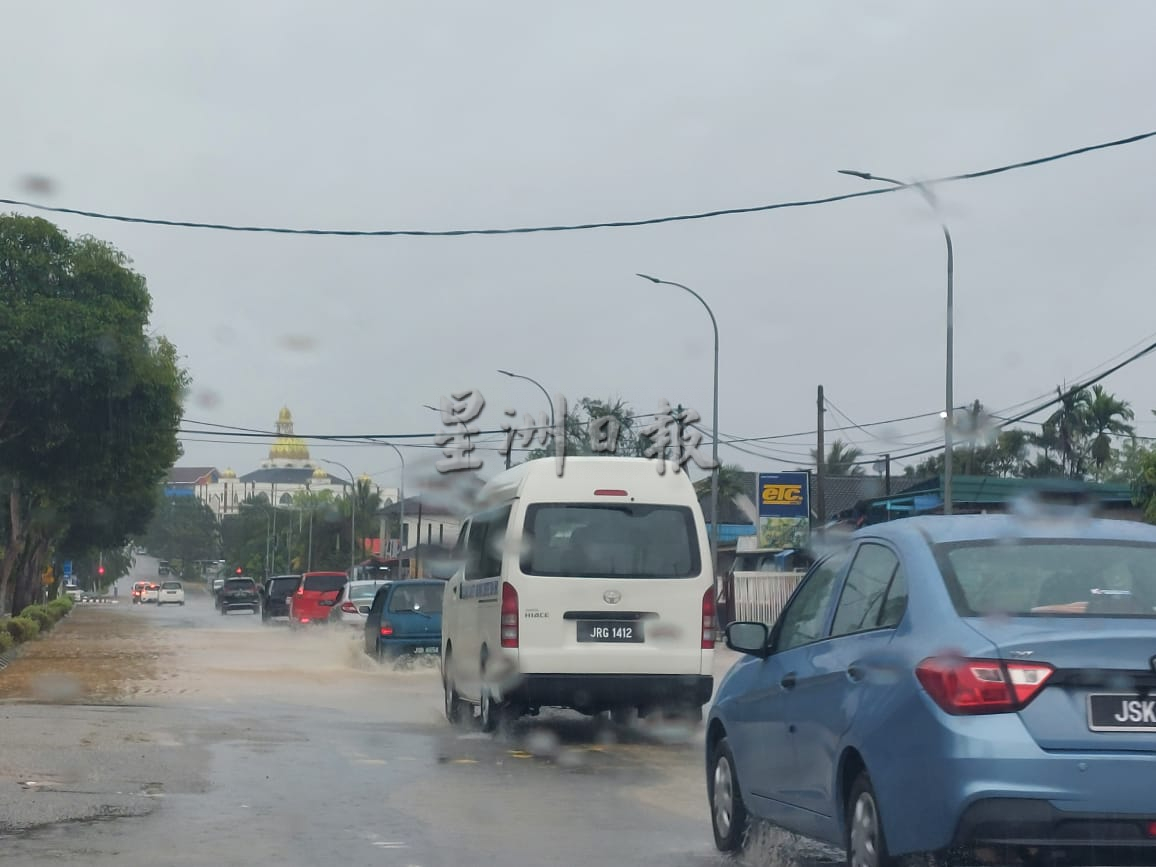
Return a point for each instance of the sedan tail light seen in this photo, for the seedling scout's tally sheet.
(980, 686)
(349, 608)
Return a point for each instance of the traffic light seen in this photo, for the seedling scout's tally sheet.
(100, 570)
(238, 570)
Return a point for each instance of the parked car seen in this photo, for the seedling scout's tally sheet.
(171, 593)
(405, 619)
(151, 592)
(137, 590)
(354, 602)
(315, 597)
(73, 592)
(218, 583)
(951, 685)
(275, 596)
(239, 594)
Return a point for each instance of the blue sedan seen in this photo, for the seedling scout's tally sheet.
(979, 686)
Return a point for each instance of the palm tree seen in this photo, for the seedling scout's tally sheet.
(841, 460)
(1069, 427)
(732, 482)
(1107, 416)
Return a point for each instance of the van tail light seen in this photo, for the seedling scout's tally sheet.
(509, 616)
(708, 620)
(349, 608)
(387, 629)
(979, 686)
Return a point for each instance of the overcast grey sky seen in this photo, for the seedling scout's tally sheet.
(435, 115)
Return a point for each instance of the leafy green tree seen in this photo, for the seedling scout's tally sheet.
(89, 401)
(613, 418)
(1127, 462)
(184, 529)
(1144, 486)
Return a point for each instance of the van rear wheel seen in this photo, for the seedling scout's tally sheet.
(455, 707)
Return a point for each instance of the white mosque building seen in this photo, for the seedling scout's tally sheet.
(286, 471)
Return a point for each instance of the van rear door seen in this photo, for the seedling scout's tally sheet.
(611, 587)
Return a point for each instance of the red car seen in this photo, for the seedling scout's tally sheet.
(315, 597)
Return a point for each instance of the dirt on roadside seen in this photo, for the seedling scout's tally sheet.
(93, 656)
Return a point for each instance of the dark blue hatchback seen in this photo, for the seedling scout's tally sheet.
(405, 620)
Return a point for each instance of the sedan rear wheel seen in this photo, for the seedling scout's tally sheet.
(866, 845)
(728, 813)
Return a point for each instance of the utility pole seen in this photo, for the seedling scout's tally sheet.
(887, 475)
(820, 492)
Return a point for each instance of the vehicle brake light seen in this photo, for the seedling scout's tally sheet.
(301, 590)
(610, 492)
(708, 619)
(509, 616)
(978, 686)
(349, 608)
(1152, 829)
(387, 629)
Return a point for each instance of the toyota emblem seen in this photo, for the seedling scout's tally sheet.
(612, 597)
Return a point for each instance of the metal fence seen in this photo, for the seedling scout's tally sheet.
(760, 596)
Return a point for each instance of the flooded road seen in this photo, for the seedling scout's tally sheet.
(178, 736)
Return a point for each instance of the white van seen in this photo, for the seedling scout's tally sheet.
(590, 591)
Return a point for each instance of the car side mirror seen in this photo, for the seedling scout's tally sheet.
(747, 636)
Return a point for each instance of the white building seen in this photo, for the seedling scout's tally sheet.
(287, 470)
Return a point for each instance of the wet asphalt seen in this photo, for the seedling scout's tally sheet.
(251, 745)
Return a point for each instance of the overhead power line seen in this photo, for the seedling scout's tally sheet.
(613, 224)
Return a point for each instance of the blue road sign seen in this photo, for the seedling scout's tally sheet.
(67, 568)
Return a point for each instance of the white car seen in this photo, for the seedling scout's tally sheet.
(74, 592)
(171, 593)
(150, 593)
(352, 606)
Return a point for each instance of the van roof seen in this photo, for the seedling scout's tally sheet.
(582, 475)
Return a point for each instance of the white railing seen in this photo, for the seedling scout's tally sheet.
(760, 596)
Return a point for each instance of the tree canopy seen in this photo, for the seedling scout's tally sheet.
(89, 401)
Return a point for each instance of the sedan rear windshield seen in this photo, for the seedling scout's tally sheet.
(627, 540)
(240, 584)
(1051, 578)
(424, 597)
(363, 591)
(324, 583)
(171, 585)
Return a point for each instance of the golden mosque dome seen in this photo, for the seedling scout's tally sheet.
(287, 447)
(229, 474)
(320, 474)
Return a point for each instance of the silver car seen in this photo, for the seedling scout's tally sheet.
(353, 604)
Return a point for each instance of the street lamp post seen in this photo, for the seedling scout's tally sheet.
(949, 405)
(352, 513)
(549, 400)
(714, 427)
(400, 511)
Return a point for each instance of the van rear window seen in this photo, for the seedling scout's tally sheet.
(621, 540)
(324, 583)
